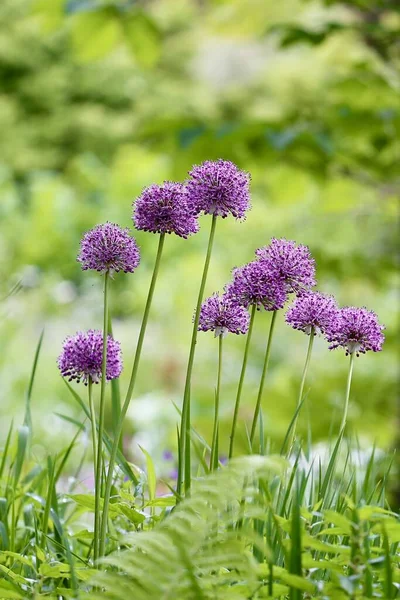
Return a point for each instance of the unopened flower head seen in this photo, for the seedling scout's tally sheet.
(290, 261)
(82, 357)
(357, 330)
(313, 311)
(219, 188)
(222, 315)
(110, 248)
(164, 209)
(254, 285)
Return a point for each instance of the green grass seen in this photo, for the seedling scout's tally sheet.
(261, 527)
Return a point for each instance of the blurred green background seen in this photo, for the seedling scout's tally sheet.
(101, 98)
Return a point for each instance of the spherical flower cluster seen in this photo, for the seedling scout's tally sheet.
(222, 315)
(164, 209)
(110, 248)
(254, 285)
(357, 330)
(82, 356)
(313, 311)
(219, 188)
(290, 261)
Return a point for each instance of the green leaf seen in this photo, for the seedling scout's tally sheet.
(151, 474)
(54, 570)
(143, 38)
(133, 515)
(163, 501)
(50, 13)
(6, 592)
(95, 34)
(23, 438)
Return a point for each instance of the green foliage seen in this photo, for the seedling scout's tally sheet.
(100, 98)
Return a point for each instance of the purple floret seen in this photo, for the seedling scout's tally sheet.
(82, 356)
(110, 248)
(254, 285)
(164, 209)
(222, 314)
(313, 310)
(357, 330)
(290, 261)
(219, 188)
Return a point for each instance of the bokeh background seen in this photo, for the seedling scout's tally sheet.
(101, 98)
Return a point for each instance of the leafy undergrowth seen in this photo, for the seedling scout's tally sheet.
(261, 527)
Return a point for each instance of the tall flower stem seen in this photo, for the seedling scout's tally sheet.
(214, 444)
(99, 460)
(346, 402)
(184, 467)
(128, 397)
(241, 380)
(93, 423)
(302, 384)
(262, 380)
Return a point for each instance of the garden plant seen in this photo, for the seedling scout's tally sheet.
(273, 522)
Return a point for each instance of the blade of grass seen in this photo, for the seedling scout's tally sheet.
(28, 414)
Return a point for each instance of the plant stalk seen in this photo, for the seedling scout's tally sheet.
(184, 467)
(99, 460)
(214, 444)
(263, 374)
(128, 397)
(302, 384)
(241, 380)
(93, 424)
(346, 403)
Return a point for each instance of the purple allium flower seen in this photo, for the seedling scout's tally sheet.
(219, 188)
(357, 330)
(313, 310)
(222, 314)
(164, 209)
(82, 355)
(292, 262)
(254, 284)
(108, 247)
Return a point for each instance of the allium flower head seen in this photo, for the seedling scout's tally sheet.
(357, 331)
(313, 310)
(290, 261)
(108, 247)
(254, 284)
(222, 314)
(164, 209)
(82, 356)
(219, 188)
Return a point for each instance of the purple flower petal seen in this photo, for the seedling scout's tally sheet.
(82, 356)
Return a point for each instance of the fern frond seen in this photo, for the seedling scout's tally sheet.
(197, 552)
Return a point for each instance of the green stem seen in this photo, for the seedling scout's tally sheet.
(93, 424)
(99, 461)
(263, 374)
(241, 380)
(346, 403)
(128, 397)
(303, 381)
(184, 467)
(214, 448)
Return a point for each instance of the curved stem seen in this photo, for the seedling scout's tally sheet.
(262, 381)
(99, 461)
(184, 467)
(346, 403)
(241, 380)
(214, 444)
(303, 381)
(93, 424)
(128, 397)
